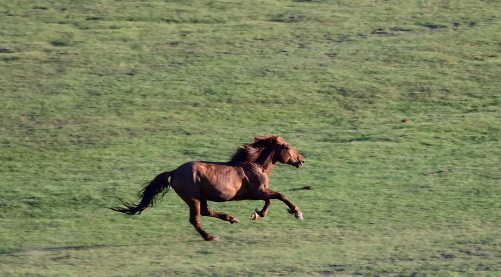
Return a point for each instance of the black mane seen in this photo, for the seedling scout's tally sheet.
(249, 152)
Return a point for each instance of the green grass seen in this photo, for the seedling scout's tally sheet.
(97, 97)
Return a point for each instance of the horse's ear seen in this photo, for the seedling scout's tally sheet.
(274, 140)
(266, 140)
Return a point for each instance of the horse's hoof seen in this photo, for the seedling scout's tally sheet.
(299, 216)
(211, 238)
(254, 216)
(234, 220)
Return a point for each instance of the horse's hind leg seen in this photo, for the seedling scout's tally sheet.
(195, 219)
(258, 214)
(206, 211)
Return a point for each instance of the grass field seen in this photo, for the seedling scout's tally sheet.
(396, 106)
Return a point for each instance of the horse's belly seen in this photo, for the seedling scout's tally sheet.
(222, 193)
(221, 198)
(220, 183)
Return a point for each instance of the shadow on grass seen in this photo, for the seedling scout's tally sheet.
(40, 251)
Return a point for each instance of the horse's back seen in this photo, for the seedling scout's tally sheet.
(213, 181)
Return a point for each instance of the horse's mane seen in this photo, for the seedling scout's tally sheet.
(249, 152)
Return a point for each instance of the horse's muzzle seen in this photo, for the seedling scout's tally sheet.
(298, 164)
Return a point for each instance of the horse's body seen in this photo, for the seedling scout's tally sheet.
(244, 177)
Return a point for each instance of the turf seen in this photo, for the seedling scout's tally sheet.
(394, 104)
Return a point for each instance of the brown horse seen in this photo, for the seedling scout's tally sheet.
(244, 177)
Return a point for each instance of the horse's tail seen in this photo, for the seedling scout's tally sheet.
(149, 195)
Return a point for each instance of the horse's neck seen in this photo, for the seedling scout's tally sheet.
(265, 160)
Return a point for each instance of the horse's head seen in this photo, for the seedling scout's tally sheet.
(284, 153)
(288, 155)
(268, 149)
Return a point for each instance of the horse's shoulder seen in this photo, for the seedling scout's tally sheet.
(254, 172)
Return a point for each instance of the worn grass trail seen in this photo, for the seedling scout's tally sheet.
(394, 104)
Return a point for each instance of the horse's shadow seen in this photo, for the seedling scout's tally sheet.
(37, 251)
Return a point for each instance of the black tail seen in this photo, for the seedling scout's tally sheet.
(149, 195)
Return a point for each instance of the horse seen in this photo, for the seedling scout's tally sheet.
(244, 177)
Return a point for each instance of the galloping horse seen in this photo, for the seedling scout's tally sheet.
(245, 177)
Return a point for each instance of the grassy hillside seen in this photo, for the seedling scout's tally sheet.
(395, 105)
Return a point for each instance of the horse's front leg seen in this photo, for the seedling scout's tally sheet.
(258, 214)
(267, 194)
